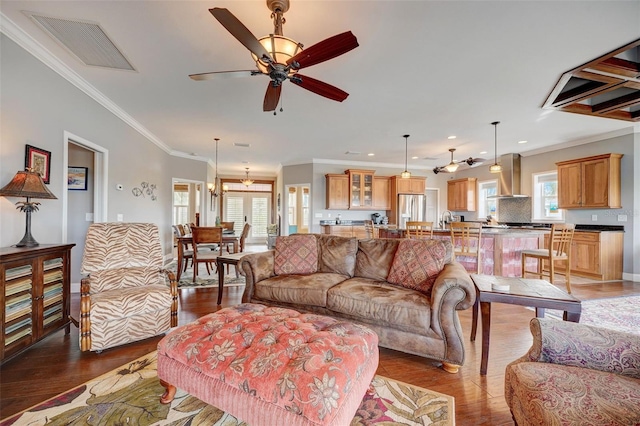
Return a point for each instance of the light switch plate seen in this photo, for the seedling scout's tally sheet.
(319, 215)
(120, 217)
(622, 218)
(594, 217)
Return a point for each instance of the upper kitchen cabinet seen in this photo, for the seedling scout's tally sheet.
(461, 195)
(588, 183)
(381, 193)
(360, 189)
(337, 191)
(413, 185)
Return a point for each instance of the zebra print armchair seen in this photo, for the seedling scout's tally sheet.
(127, 296)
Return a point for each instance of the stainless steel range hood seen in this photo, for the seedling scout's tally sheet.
(509, 179)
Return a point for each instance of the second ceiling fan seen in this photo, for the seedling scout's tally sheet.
(280, 57)
(453, 165)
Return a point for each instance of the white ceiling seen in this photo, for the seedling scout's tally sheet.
(430, 69)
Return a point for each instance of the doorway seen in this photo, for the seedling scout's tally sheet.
(298, 209)
(187, 202)
(250, 207)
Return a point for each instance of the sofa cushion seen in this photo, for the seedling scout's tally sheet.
(417, 263)
(547, 394)
(296, 254)
(374, 257)
(304, 290)
(382, 304)
(337, 254)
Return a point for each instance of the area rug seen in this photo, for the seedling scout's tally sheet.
(618, 313)
(205, 280)
(130, 395)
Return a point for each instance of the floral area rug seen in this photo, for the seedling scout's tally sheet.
(205, 280)
(618, 313)
(131, 395)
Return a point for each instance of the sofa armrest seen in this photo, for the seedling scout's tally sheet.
(580, 345)
(454, 276)
(256, 267)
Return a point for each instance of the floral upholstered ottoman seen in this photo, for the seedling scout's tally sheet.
(271, 366)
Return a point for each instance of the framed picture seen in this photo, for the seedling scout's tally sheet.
(77, 178)
(39, 161)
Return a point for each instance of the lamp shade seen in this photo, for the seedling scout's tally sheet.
(27, 184)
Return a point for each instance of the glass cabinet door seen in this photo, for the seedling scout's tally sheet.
(356, 189)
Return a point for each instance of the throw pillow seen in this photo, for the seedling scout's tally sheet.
(296, 254)
(417, 263)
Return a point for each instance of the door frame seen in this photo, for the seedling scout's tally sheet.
(204, 216)
(100, 179)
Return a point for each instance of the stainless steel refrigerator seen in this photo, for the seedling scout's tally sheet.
(411, 208)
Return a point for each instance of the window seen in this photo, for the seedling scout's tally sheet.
(180, 204)
(487, 206)
(545, 197)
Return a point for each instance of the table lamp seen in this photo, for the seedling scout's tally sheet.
(27, 184)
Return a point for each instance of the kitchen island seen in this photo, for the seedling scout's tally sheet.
(499, 251)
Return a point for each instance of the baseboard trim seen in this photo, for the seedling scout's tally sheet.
(631, 277)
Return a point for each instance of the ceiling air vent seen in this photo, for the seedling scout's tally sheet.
(85, 40)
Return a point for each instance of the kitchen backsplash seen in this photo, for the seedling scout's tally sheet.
(517, 209)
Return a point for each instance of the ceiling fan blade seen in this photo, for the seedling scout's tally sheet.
(320, 88)
(223, 74)
(271, 97)
(239, 31)
(324, 50)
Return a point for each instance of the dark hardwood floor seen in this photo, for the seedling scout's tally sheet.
(56, 364)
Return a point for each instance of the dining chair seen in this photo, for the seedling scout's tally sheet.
(187, 253)
(419, 229)
(557, 250)
(372, 231)
(205, 236)
(466, 238)
(243, 236)
(227, 225)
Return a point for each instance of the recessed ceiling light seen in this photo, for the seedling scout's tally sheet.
(414, 157)
(522, 141)
(371, 154)
(483, 152)
(242, 145)
(451, 137)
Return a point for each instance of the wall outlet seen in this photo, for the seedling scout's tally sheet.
(319, 215)
(328, 214)
(120, 217)
(622, 218)
(594, 217)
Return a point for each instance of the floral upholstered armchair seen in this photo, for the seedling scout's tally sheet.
(575, 374)
(127, 296)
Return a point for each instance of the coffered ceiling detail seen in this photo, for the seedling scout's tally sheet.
(608, 86)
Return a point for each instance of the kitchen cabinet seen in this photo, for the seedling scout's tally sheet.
(461, 195)
(596, 255)
(360, 189)
(588, 183)
(413, 185)
(357, 231)
(35, 294)
(381, 193)
(337, 191)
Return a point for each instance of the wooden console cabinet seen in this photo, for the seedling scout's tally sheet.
(35, 294)
(590, 183)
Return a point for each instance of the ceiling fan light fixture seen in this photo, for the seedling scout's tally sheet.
(280, 48)
(405, 174)
(495, 168)
(451, 167)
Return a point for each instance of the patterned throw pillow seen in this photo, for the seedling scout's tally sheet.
(417, 263)
(296, 254)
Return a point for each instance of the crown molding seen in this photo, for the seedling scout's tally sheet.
(28, 43)
(595, 138)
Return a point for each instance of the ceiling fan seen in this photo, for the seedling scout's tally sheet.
(280, 58)
(453, 165)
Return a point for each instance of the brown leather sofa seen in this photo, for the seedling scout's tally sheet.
(351, 284)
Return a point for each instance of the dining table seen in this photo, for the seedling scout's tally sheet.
(186, 240)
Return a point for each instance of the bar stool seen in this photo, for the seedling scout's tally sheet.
(466, 240)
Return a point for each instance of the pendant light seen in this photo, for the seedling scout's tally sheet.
(495, 168)
(246, 181)
(214, 188)
(406, 174)
(452, 166)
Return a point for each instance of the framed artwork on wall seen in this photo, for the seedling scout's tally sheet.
(39, 160)
(77, 178)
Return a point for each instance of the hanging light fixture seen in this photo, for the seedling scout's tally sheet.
(495, 168)
(246, 181)
(406, 174)
(214, 188)
(452, 166)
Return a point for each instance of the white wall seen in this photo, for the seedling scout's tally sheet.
(37, 107)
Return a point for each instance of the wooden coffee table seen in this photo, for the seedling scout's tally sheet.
(538, 294)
